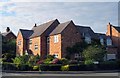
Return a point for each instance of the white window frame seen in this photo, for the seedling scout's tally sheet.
(88, 39)
(102, 41)
(30, 41)
(111, 56)
(48, 40)
(109, 42)
(19, 42)
(56, 38)
(36, 47)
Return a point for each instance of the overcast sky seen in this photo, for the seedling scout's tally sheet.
(24, 14)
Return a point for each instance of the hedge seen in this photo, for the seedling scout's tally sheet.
(59, 67)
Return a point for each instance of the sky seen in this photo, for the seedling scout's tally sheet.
(22, 14)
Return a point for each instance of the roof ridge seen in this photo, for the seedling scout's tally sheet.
(51, 21)
(83, 26)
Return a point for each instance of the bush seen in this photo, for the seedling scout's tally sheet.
(65, 68)
(108, 65)
(55, 67)
(44, 67)
(24, 67)
(35, 68)
(8, 66)
(74, 67)
(89, 62)
(64, 61)
(50, 67)
(89, 65)
(77, 67)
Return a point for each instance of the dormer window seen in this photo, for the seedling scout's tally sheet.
(109, 41)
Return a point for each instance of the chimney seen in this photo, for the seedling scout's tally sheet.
(8, 29)
(35, 25)
(110, 28)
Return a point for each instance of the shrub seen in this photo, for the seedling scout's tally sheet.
(44, 67)
(55, 67)
(74, 67)
(35, 68)
(24, 67)
(108, 65)
(65, 68)
(64, 61)
(89, 65)
(8, 66)
(89, 62)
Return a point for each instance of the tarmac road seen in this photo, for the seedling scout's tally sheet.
(47, 75)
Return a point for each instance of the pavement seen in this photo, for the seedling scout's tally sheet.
(59, 74)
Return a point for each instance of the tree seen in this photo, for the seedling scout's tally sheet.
(94, 52)
(8, 46)
(77, 48)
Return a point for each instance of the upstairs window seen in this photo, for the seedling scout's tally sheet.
(36, 47)
(109, 42)
(55, 38)
(48, 40)
(30, 41)
(102, 41)
(19, 42)
(88, 39)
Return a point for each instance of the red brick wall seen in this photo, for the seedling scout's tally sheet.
(55, 48)
(19, 48)
(115, 39)
(67, 38)
(35, 40)
(70, 36)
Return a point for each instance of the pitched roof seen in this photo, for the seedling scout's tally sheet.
(26, 33)
(99, 35)
(117, 28)
(86, 31)
(60, 28)
(41, 28)
(6, 33)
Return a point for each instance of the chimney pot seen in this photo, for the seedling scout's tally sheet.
(8, 29)
(35, 25)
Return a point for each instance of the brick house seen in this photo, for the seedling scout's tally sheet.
(52, 38)
(64, 35)
(48, 38)
(113, 41)
(34, 41)
(87, 34)
(8, 35)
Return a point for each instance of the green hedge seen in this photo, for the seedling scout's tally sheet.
(108, 65)
(12, 66)
(9, 66)
(50, 67)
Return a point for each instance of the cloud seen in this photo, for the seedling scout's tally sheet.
(65, 0)
(19, 15)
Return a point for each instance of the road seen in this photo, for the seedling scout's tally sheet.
(69, 75)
